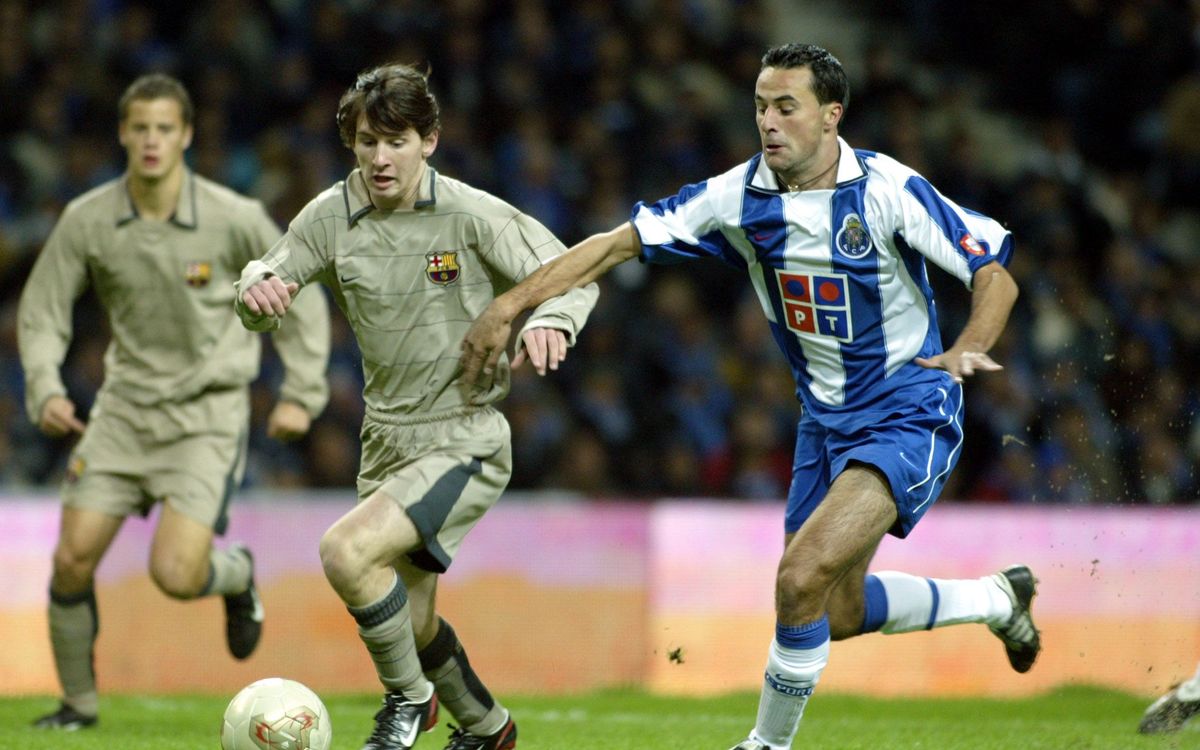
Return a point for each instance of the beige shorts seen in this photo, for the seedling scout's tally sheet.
(190, 456)
(445, 472)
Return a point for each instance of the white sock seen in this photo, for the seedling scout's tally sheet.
(915, 603)
(794, 664)
(1190, 690)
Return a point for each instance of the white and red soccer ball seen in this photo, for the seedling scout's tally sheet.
(276, 714)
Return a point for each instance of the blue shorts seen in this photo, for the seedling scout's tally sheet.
(915, 449)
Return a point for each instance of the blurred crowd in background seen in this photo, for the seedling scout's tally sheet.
(1076, 123)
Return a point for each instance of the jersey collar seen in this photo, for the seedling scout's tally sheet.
(185, 210)
(358, 200)
(849, 169)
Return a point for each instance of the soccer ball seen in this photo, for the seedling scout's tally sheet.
(276, 714)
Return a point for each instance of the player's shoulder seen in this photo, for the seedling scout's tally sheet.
(210, 193)
(735, 179)
(105, 200)
(452, 194)
(881, 166)
(333, 204)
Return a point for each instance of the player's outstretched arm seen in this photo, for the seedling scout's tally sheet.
(992, 300)
(582, 264)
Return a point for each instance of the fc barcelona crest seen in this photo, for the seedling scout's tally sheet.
(442, 268)
(198, 273)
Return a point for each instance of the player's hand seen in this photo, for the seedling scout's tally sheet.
(58, 417)
(271, 296)
(960, 363)
(544, 348)
(288, 421)
(484, 343)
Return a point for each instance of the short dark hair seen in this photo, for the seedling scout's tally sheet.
(829, 79)
(394, 97)
(156, 86)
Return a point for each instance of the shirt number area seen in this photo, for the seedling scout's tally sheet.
(816, 304)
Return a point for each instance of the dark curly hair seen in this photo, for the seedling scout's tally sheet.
(394, 97)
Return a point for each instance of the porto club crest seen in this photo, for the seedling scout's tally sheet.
(853, 239)
(442, 268)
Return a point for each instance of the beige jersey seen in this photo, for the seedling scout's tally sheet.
(168, 289)
(411, 282)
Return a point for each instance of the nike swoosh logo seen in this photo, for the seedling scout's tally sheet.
(788, 680)
(763, 236)
(348, 279)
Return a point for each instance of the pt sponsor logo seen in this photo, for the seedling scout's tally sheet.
(816, 304)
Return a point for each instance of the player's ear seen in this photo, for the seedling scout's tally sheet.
(188, 132)
(429, 144)
(832, 114)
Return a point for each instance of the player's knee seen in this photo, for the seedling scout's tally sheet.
(73, 571)
(177, 578)
(801, 590)
(340, 559)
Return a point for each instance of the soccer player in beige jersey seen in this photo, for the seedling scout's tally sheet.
(162, 247)
(412, 257)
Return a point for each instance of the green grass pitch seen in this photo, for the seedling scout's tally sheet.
(1066, 719)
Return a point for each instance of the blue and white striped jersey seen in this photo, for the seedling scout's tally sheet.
(840, 273)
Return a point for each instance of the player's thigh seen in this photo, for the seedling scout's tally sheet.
(179, 553)
(461, 468)
(373, 534)
(106, 470)
(914, 450)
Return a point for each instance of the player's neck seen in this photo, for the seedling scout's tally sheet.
(408, 199)
(156, 198)
(822, 175)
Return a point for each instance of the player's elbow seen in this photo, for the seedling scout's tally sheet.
(996, 279)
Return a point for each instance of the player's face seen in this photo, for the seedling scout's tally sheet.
(155, 137)
(392, 163)
(792, 124)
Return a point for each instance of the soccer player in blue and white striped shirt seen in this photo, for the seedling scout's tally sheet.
(835, 241)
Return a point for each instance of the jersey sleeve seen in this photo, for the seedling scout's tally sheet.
(683, 226)
(59, 276)
(522, 246)
(957, 239)
(301, 255)
(302, 339)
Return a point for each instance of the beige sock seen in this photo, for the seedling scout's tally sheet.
(74, 624)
